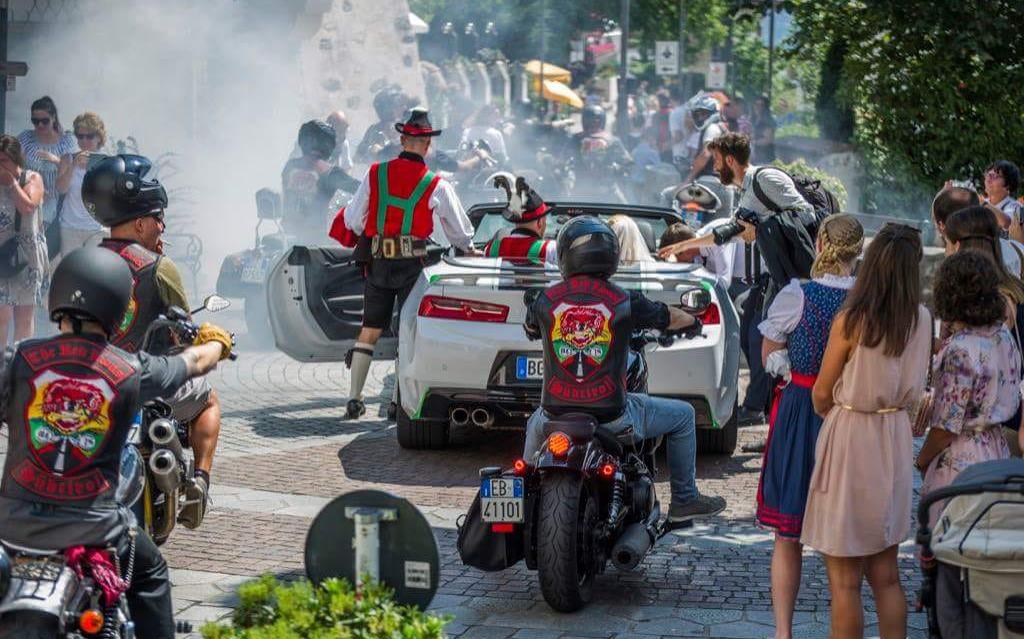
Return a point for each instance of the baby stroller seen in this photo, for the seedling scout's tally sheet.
(973, 560)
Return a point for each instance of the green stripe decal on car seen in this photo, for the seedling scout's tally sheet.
(423, 398)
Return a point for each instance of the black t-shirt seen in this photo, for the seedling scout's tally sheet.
(647, 313)
(161, 376)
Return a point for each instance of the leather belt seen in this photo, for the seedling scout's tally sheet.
(397, 248)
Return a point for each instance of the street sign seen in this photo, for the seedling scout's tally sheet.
(716, 75)
(666, 57)
(13, 68)
(375, 534)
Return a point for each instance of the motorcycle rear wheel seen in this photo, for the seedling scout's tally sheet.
(23, 624)
(566, 562)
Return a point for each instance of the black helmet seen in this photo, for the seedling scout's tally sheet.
(316, 137)
(114, 190)
(587, 246)
(387, 101)
(91, 283)
(593, 118)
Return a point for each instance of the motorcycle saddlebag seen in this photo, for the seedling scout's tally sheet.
(483, 549)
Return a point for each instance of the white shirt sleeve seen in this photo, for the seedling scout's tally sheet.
(784, 313)
(721, 261)
(450, 216)
(345, 157)
(358, 207)
(551, 259)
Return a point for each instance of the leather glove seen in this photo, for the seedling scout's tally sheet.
(211, 333)
(694, 330)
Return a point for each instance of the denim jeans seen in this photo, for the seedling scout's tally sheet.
(650, 417)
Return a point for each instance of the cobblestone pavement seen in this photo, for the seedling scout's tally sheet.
(285, 452)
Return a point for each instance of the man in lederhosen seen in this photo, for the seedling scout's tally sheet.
(398, 206)
(527, 210)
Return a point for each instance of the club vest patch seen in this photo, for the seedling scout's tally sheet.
(581, 336)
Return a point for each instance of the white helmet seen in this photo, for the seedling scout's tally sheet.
(707, 106)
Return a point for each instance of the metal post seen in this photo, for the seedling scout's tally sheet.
(622, 115)
(771, 50)
(4, 18)
(683, 76)
(543, 55)
(366, 541)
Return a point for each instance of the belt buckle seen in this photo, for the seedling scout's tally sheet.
(405, 244)
(387, 247)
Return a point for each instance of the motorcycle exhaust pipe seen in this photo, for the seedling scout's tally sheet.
(459, 416)
(632, 547)
(482, 418)
(164, 467)
(164, 434)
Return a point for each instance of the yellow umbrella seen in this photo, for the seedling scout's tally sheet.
(551, 72)
(559, 92)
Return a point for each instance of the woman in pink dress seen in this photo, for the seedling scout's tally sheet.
(874, 369)
(976, 374)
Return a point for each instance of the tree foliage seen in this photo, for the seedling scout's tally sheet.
(937, 86)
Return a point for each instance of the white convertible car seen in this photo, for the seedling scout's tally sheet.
(464, 359)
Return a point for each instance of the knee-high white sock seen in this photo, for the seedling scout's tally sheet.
(362, 355)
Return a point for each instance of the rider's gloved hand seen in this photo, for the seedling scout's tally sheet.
(693, 330)
(212, 333)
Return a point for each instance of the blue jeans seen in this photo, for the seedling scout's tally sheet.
(650, 417)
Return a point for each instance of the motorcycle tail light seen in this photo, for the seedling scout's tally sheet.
(711, 316)
(459, 309)
(519, 467)
(558, 444)
(607, 470)
(503, 528)
(91, 621)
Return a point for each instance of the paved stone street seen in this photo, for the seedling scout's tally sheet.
(285, 452)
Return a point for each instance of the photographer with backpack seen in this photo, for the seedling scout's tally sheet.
(778, 216)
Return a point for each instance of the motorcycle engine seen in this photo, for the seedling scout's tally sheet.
(636, 373)
(641, 498)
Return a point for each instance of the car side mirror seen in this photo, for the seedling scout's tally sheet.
(268, 205)
(695, 300)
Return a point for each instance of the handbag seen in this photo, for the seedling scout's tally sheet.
(12, 258)
(52, 233)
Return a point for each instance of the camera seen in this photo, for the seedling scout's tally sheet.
(726, 232)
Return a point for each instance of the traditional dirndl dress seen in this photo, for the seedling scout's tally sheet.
(789, 453)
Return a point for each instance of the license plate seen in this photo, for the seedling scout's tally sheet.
(253, 273)
(501, 500)
(529, 367)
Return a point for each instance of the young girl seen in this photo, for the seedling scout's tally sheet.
(799, 318)
(874, 369)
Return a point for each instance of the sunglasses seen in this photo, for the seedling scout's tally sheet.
(40, 121)
(993, 175)
(87, 136)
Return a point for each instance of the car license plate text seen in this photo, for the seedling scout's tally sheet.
(501, 500)
(529, 367)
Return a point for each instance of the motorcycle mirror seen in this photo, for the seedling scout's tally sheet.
(215, 304)
(268, 205)
(695, 300)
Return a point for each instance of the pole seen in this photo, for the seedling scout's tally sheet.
(543, 55)
(3, 58)
(683, 76)
(622, 111)
(771, 51)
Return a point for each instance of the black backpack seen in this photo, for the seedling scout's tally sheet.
(823, 201)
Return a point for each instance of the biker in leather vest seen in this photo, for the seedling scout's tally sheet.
(69, 402)
(585, 323)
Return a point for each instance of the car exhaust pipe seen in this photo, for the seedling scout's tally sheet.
(164, 467)
(482, 418)
(459, 416)
(164, 434)
(632, 547)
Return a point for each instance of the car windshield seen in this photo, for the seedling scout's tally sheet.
(651, 227)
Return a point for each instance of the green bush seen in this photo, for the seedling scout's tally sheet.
(801, 167)
(269, 609)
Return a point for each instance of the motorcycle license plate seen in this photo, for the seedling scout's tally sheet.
(529, 367)
(253, 273)
(501, 500)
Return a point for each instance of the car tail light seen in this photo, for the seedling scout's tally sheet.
(558, 444)
(91, 621)
(458, 309)
(503, 528)
(711, 316)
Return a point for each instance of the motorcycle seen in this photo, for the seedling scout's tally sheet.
(41, 595)
(588, 497)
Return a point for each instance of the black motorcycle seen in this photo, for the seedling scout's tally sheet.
(41, 596)
(588, 498)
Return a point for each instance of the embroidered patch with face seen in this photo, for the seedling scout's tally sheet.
(581, 336)
(68, 419)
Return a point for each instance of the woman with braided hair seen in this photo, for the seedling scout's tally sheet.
(795, 330)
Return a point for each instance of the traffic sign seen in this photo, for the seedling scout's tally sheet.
(373, 533)
(666, 57)
(13, 68)
(716, 75)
